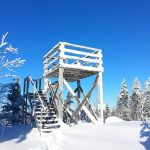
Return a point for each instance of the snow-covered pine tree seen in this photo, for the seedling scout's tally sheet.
(136, 101)
(122, 109)
(113, 111)
(13, 110)
(106, 112)
(146, 97)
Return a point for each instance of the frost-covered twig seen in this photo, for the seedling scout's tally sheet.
(3, 43)
(8, 75)
(6, 63)
(12, 64)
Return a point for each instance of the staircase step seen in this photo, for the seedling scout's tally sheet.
(45, 126)
(49, 120)
(45, 116)
(39, 112)
(48, 130)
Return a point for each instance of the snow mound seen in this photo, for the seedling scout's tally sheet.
(114, 120)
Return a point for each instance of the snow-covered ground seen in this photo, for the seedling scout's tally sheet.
(116, 134)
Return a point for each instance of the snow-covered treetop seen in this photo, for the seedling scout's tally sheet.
(6, 63)
(147, 85)
(123, 90)
(137, 86)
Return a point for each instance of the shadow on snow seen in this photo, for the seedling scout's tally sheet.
(17, 132)
(145, 135)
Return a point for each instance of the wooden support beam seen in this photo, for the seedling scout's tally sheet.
(88, 103)
(100, 95)
(60, 90)
(40, 81)
(85, 98)
(78, 87)
(81, 105)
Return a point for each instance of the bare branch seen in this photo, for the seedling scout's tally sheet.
(3, 43)
(4, 61)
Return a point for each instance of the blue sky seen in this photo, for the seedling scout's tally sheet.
(120, 27)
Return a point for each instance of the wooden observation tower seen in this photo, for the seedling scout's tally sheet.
(65, 64)
(72, 63)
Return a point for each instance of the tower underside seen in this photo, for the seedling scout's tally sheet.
(71, 74)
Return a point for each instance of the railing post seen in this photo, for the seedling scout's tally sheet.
(45, 72)
(60, 80)
(100, 89)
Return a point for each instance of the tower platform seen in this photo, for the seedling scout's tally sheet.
(77, 61)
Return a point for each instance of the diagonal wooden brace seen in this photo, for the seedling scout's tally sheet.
(81, 105)
(88, 103)
(85, 98)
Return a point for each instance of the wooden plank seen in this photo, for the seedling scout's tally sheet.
(55, 47)
(87, 56)
(80, 52)
(73, 66)
(88, 113)
(51, 62)
(49, 58)
(70, 89)
(81, 59)
(83, 47)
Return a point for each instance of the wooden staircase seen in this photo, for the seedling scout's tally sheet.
(43, 111)
(46, 120)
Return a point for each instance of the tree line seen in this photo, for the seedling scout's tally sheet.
(134, 106)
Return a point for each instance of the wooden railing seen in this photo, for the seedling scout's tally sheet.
(73, 56)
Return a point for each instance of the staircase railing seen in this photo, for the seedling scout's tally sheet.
(44, 108)
(36, 91)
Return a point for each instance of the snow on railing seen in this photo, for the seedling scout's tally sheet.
(73, 56)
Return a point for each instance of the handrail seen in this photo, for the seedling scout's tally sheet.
(56, 46)
(37, 92)
(80, 46)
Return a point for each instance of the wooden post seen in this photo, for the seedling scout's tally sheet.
(24, 87)
(60, 107)
(24, 92)
(45, 72)
(78, 87)
(40, 84)
(78, 95)
(27, 92)
(60, 80)
(100, 96)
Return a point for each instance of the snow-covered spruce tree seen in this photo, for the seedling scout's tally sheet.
(146, 97)
(106, 112)
(13, 110)
(136, 101)
(5, 62)
(122, 109)
(113, 111)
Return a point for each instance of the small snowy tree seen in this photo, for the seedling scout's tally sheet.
(122, 110)
(136, 101)
(5, 62)
(106, 112)
(146, 106)
(13, 110)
